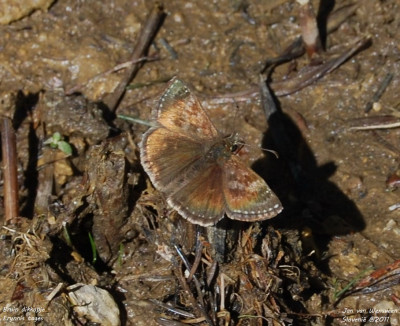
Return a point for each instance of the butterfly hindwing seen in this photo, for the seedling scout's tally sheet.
(201, 200)
(247, 195)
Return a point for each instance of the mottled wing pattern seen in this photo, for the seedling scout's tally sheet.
(181, 112)
(247, 195)
(201, 201)
(169, 158)
(201, 178)
(171, 151)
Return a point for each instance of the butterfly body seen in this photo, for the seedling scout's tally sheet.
(220, 151)
(197, 168)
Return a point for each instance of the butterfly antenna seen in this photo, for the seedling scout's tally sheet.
(271, 151)
(257, 147)
(235, 117)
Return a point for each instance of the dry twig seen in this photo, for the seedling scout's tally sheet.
(9, 148)
(146, 36)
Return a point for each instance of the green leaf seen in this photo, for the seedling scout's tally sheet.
(64, 147)
(56, 137)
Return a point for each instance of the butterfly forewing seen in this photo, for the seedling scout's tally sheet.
(247, 195)
(181, 112)
(171, 159)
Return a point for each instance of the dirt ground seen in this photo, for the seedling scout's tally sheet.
(96, 243)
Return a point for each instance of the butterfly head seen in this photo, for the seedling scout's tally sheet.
(233, 143)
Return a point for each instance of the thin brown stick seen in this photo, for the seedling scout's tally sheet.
(146, 36)
(311, 74)
(289, 86)
(9, 148)
(374, 123)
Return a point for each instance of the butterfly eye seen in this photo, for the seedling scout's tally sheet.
(235, 148)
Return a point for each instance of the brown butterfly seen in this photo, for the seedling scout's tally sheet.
(197, 167)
